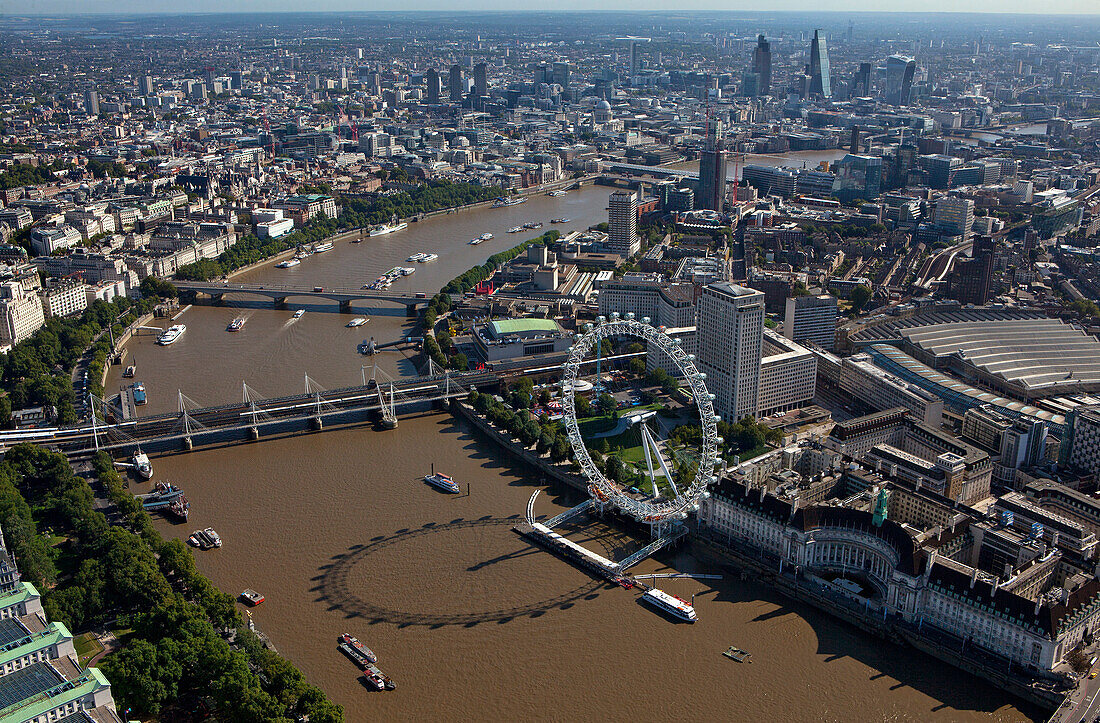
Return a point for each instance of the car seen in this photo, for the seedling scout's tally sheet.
(318, 289)
(1093, 674)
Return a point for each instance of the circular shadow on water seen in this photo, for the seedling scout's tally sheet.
(334, 589)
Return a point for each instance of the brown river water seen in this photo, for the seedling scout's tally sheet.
(339, 533)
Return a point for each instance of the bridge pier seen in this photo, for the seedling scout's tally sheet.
(280, 302)
(345, 307)
(217, 299)
(316, 423)
(254, 433)
(188, 444)
(410, 311)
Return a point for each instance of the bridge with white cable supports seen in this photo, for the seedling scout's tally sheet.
(379, 400)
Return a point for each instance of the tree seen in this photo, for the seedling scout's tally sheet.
(560, 450)
(544, 396)
(637, 366)
(859, 297)
(606, 405)
(582, 406)
(545, 442)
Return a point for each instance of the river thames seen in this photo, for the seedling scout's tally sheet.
(339, 533)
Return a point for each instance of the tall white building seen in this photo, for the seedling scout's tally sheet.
(622, 222)
(21, 313)
(730, 342)
(788, 375)
(811, 318)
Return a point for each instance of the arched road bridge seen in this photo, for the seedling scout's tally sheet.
(279, 294)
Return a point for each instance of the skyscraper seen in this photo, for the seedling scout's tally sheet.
(481, 83)
(145, 85)
(730, 342)
(861, 84)
(762, 65)
(635, 60)
(954, 216)
(434, 86)
(622, 222)
(899, 79)
(712, 169)
(91, 102)
(811, 318)
(819, 66)
(455, 83)
(858, 176)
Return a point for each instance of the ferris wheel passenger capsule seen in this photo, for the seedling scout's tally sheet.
(645, 319)
(601, 319)
(630, 316)
(717, 418)
(614, 316)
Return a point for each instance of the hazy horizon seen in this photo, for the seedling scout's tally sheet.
(167, 7)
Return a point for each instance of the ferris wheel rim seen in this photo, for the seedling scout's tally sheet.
(604, 489)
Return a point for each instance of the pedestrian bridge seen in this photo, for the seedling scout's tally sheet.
(280, 293)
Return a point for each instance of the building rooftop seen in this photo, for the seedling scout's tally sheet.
(521, 326)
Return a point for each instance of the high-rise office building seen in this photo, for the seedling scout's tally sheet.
(236, 79)
(562, 74)
(819, 66)
(858, 176)
(971, 281)
(712, 170)
(455, 83)
(954, 216)
(861, 83)
(730, 341)
(481, 82)
(622, 222)
(635, 59)
(91, 102)
(811, 318)
(762, 65)
(145, 85)
(899, 79)
(435, 88)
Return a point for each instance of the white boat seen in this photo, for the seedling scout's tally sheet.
(443, 482)
(171, 335)
(670, 604)
(419, 256)
(385, 229)
(408, 270)
(428, 257)
(358, 321)
(515, 229)
(474, 241)
(555, 194)
(322, 246)
(298, 314)
(288, 264)
(142, 465)
(486, 236)
(504, 202)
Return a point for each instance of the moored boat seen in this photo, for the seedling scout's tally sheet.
(288, 264)
(138, 392)
(515, 229)
(171, 334)
(443, 482)
(428, 257)
(670, 604)
(356, 650)
(130, 372)
(142, 466)
(386, 229)
(251, 598)
(322, 246)
(505, 202)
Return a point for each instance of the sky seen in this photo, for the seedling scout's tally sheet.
(59, 7)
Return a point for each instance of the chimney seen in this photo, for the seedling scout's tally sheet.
(973, 577)
(1038, 604)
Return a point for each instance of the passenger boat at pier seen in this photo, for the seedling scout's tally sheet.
(670, 604)
(387, 229)
(360, 654)
(130, 372)
(142, 466)
(180, 508)
(515, 229)
(505, 202)
(322, 246)
(161, 497)
(289, 263)
(443, 482)
(533, 225)
(236, 325)
(555, 194)
(138, 392)
(171, 335)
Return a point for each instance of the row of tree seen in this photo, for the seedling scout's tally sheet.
(126, 572)
(36, 372)
(473, 277)
(546, 436)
